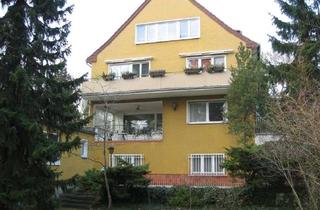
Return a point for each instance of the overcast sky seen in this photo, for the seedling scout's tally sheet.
(94, 21)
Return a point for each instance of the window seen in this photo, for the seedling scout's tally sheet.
(218, 61)
(53, 137)
(102, 123)
(141, 33)
(142, 123)
(184, 29)
(206, 111)
(84, 148)
(140, 69)
(206, 164)
(205, 62)
(168, 30)
(133, 159)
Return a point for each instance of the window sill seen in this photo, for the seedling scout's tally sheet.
(208, 174)
(207, 123)
(169, 40)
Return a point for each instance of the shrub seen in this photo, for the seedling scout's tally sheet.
(184, 197)
(91, 181)
(127, 183)
(263, 183)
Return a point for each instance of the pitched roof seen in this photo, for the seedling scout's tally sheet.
(249, 43)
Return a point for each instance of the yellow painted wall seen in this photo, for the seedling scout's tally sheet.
(72, 163)
(170, 156)
(166, 54)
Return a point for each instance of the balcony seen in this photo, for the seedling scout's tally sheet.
(139, 121)
(170, 85)
(264, 133)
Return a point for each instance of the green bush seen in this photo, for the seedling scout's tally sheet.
(127, 183)
(205, 196)
(91, 181)
(160, 195)
(263, 183)
(184, 197)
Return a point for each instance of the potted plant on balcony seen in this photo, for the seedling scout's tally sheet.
(215, 68)
(128, 75)
(190, 71)
(108, 77)
(157, 73)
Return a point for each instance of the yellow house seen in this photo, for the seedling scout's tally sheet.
(161, 100)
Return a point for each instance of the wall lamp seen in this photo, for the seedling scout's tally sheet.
(174, 106)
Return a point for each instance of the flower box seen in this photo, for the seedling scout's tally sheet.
(157, 73)
(108, 77)
(190, 71)
(128, 75)
(215, 69)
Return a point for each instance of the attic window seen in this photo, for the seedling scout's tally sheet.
(181, 29)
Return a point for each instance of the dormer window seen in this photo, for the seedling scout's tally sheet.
(188, 28)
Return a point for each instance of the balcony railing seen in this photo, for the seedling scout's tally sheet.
(123, 133)
(262, 127)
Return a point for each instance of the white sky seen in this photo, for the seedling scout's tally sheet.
(94, 21)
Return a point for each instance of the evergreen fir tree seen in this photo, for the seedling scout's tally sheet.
(299, 38)
(248, 94)
(36, 97)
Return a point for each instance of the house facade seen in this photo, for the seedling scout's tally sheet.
(158, 95)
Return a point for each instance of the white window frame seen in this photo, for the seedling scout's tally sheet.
(199, 58)
(112, 159)
(213, 166)
(97, 136)
(167, 21)
(207, 111)
(131, 69)
(84, 148)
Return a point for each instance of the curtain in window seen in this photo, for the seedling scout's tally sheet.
(197, 112)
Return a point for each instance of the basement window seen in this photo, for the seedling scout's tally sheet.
(206, 164)
(132, 159)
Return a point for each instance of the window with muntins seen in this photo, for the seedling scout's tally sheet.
(206, 164)
(188, 28)
(141, 69)
(205, 62)
(206, 111)
(133, 159)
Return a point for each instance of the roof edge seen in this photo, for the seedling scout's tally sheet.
(93, 57)
(249, 43)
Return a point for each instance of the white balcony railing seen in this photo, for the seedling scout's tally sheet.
(122, 134)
